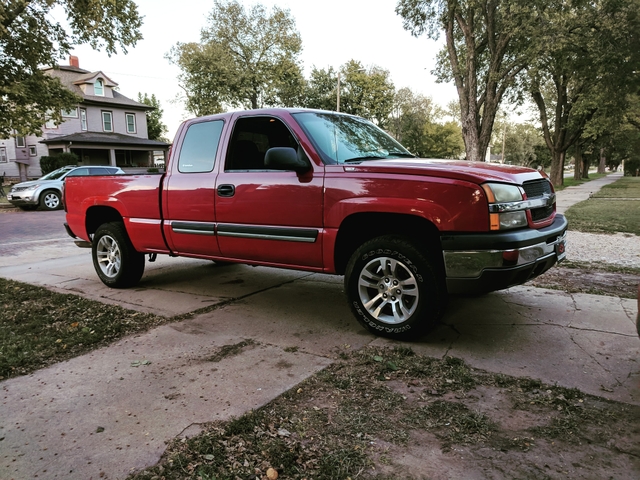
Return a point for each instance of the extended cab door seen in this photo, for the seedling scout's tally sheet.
(189, 192)
(265, 215)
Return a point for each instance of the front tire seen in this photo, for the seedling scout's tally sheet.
(394, 289)
(50, 200)
(115, 260)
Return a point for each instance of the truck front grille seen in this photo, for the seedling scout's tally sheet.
(537, 188)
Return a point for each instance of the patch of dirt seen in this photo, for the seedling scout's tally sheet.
(385, 414)
(596, 280)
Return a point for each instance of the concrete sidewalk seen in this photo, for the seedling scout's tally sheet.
(572, 195)
(96, 416)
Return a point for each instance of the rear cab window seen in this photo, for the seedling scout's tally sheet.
(199, 147)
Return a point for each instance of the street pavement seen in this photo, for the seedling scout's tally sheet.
(96, 416)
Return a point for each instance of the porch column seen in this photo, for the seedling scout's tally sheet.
(112, 157)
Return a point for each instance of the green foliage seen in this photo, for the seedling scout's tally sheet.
(29, 39)
(247, 57)
(321, 90)
(156, 130)
(486, 49)
(51, 163)
(415, 124)
(368, 93)
(587, 54)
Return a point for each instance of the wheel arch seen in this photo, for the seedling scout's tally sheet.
(98, 215)
(358, 228)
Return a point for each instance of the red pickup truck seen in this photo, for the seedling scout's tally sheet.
(331, 193)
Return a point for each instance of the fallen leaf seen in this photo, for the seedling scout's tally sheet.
(378, 358)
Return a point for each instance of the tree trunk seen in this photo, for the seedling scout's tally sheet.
(557, 167)
(577, 172)
(603, 161)
(585, 167)
(471, 140)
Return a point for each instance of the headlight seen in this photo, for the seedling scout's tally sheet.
(500, 192)
(505, 208)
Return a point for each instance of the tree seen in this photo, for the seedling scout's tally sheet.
(156, 130)
(30, 40)
(520, 141)
(585, 70)
(246, 58)
(321, 90)
(485, 51)
(368, 93)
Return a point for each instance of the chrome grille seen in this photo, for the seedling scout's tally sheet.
(537, 188)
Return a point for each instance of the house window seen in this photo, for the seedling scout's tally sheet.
(3, 155)
(83, 119)
(50, 124)
(33, 151)
(98, 87)
(131, 122)
(73, 113)
(107, 121)
(20, 142)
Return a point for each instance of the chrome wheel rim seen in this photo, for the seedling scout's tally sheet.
(388, 290)
(51, 200)
(109, 256)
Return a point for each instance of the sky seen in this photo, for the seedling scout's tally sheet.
(333, 32)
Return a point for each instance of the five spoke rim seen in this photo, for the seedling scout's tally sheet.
(388, 290)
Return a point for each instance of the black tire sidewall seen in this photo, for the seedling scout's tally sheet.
(48, 192)
(132, 262)
(432, 295)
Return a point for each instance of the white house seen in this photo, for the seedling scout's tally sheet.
(105, 128)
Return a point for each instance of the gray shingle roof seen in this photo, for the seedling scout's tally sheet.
(107, 139)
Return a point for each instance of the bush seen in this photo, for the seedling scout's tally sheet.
(51, 163)
(631, 166)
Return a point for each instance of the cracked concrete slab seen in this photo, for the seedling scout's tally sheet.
(577, 341)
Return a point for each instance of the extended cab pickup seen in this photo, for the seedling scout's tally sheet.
(331, 193)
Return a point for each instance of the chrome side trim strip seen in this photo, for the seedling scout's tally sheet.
(285, 234)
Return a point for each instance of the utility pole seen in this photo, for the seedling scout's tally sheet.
(338, 94)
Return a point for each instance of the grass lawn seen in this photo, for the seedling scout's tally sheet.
(571, 182)
(39, 327)
(615, 208)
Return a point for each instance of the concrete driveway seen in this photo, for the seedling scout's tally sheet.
(96, 416)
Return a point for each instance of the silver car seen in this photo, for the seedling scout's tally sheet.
(46, 191)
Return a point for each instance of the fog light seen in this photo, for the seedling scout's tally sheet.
(510, 257)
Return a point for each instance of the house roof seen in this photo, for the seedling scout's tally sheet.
(107, 139)
(93, 76)
(72, 77)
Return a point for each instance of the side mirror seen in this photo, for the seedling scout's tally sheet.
(286, 158)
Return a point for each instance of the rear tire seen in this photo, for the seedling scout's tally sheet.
(50, 200)
(115, 260)
(394, 290)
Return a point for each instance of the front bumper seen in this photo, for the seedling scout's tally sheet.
(480, 263)
(20, 198)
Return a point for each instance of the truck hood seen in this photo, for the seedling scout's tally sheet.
(476, 172)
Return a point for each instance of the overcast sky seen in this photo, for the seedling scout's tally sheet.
(333, 32)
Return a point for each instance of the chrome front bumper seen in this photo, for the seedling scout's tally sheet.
(501, 260)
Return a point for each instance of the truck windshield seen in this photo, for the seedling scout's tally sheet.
(346, 139)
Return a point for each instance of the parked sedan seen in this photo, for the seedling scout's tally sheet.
(46, 191)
